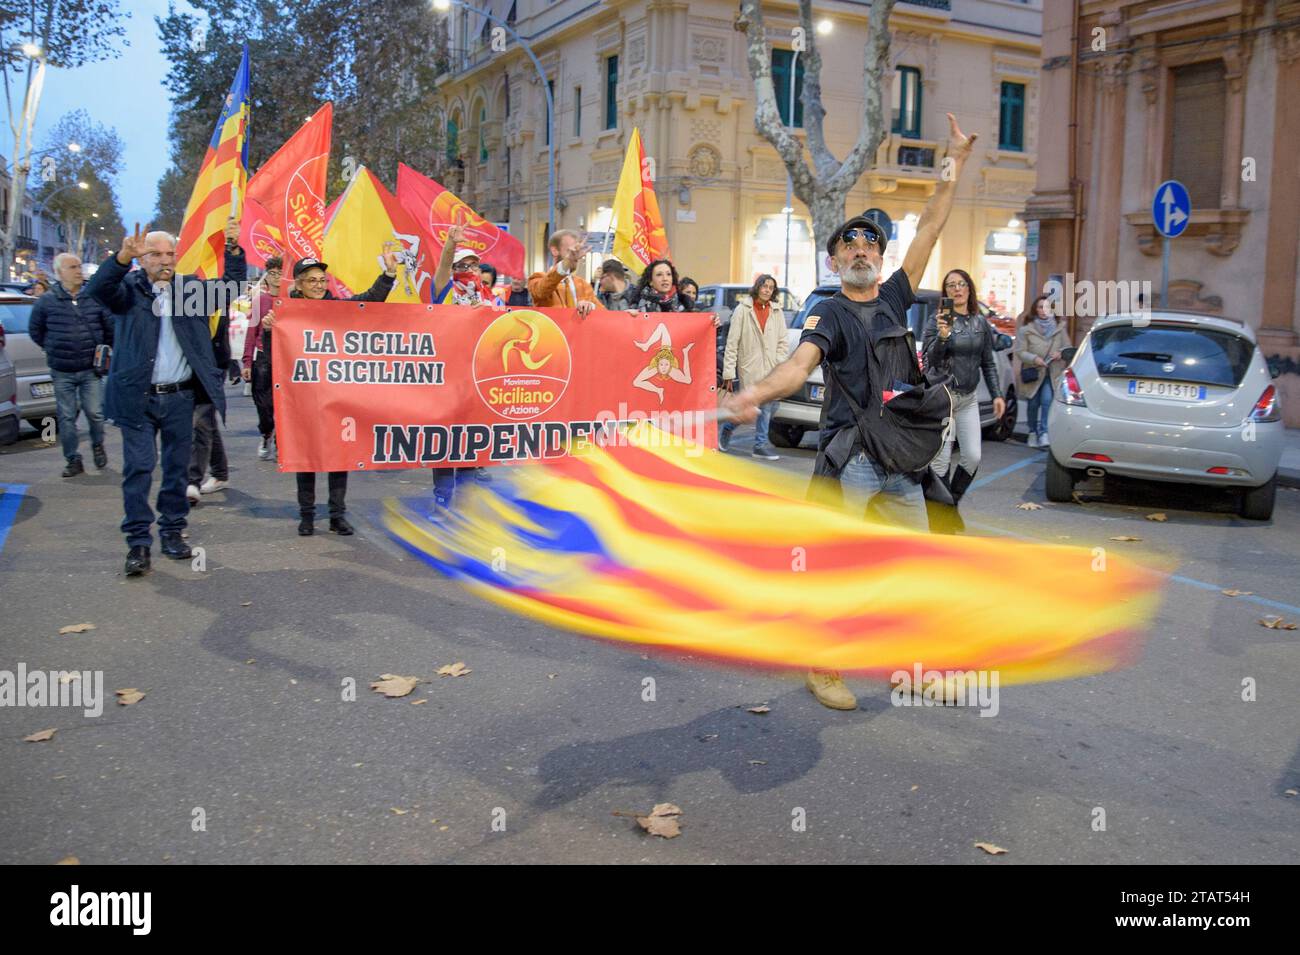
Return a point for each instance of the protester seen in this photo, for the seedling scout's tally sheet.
(860, 335)
(163, 362)
(40, 285)
(208, 451)
(961, 344)
(561, 286)
(1039, 346)
(616, 291)
(519, 297)
(257, 353)
(69, 327)
(689, 289)
(756, 343)
(657, 290)
(311, 281)
(489, 275)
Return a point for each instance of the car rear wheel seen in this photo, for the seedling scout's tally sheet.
(1060, 481)
(1257, 502)
(1001, 430)
(785, 435)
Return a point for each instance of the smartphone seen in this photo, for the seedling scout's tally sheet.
(945, 306)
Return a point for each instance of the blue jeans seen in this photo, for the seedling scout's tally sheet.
(1039, 406)
(170, 417)
(77, 391)
(761, 426)
(446, 479)
(894, 497)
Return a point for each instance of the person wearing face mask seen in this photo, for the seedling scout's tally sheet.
(311, 281)
(1039, 345)
(860, 336)
(961, 343)
(163, 361)
(756, 343)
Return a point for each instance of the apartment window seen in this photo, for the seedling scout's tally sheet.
(577, 111)
(907, 102)
(1011, 122)
(1200, 95)
(550, 85)
(453, 140)
(611, 92)
(781, 61)
(482, 134)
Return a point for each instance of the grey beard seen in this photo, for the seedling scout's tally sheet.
(860, 277)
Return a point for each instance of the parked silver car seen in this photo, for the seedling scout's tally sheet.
(1178, 397)
(35, 385)
(9, 419)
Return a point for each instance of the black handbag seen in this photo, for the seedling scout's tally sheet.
(1029, 375)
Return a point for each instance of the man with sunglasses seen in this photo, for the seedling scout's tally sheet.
(859, 335)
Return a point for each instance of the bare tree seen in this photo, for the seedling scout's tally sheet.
(824, 187)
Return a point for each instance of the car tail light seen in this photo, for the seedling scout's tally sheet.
(1266, 407)
(1227, 472)
(1083, 456)
(1071, 393)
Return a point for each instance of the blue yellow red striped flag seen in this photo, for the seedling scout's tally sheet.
(219, 189)
(653, 542)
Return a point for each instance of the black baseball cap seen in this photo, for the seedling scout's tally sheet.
(302, 265)
(871, 219)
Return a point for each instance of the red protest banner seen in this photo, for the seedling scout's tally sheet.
(361, 387)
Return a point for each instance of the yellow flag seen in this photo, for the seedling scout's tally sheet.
(639, 235)
(368, 222)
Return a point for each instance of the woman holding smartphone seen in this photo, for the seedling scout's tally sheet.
(959, 340)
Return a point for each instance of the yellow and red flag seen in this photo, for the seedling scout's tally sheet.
(437, 209)
(290, 189)
(219, 189)
(654, 542)
(639, 235)
(367, 220)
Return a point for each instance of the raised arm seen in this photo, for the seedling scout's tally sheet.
(442, 275)
(935, 214)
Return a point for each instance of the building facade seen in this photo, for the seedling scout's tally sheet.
(1206, 92)
(678, 72)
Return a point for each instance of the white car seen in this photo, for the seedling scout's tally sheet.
(1170, 396)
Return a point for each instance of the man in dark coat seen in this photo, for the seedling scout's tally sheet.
(163, 362)
(70, 326)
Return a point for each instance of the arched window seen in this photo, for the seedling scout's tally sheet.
(453, 139)
(482, 134)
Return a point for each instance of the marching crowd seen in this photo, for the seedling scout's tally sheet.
(166, 388)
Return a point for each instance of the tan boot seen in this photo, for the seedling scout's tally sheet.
(830, 690)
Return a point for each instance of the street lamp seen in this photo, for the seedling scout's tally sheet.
(824, 27)
(74, 147)
(443, 6)
(31, 50)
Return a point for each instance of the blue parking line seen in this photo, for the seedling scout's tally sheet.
(11, 498)
(989, 479)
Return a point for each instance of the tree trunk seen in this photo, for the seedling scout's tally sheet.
(827, 209)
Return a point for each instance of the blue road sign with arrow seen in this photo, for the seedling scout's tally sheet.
(1171, 209)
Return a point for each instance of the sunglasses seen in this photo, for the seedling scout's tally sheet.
(849, 236)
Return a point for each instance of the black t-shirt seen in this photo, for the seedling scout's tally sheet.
(844, 345)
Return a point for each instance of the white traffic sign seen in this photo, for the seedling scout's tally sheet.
(1171, 208)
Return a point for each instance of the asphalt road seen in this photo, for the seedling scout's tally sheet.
(242, 666)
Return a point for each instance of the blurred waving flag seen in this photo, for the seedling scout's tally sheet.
(639, 235)
(219, 189)
(687, 550)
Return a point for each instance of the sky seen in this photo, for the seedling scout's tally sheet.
(129, 94)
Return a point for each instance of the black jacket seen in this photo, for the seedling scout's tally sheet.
(376, 293)
(966, 354)
(130, 297)
(650, 302)
(69, 329)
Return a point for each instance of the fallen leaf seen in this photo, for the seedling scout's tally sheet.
(128, 696)
(418, 702)
(1160, 518)
(250, 661)
(392, 685)
(1277, 623)
(454, 669)
(293, 682)
(551, 676)
(40, 737)
(69, 677)
(915, 788)
(1239, 593)
(707, 737)
(1292, 792)
(247, 603)
(398, 812)
(758, 762)
(1125, 537)
(443, 828)
(69, 860)
(990, 848)
(662, 821)
(1029, 506)
(760, 709)
(77, 628)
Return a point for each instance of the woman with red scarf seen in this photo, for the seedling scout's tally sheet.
(657, 290)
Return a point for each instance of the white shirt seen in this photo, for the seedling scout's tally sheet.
(170, 366)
